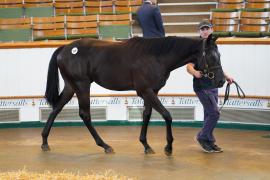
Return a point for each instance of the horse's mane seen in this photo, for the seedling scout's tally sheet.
(164, 45)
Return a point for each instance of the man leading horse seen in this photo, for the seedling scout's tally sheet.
(208, 96)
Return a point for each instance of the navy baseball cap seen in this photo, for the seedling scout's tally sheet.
(204, 24)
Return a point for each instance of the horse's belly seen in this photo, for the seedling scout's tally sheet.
(115, 88)
(115, 83)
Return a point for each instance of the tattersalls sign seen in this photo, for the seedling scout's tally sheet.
(13, 103)
(117, 107)
(245, 103)
(137, 101)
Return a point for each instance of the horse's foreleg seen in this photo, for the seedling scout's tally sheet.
(65, 96)
(146, 117)
(84, 106)
(150, 97)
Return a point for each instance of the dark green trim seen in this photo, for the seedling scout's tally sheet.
(78, 36)
(102, 13)
(221, 34)
(261, 127)
(265, 34)
(50, 38)
(223, 10)
(197, 124)
(122, 12)
(247, 34)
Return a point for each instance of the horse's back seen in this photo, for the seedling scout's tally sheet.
(112, 65)
(100, 61)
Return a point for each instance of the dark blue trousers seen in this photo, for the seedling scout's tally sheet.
(209, 100)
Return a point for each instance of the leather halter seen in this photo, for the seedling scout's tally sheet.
(207, 71)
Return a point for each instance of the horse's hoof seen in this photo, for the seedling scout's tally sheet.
(109, 150)
(149, 151)
(45, 147)
(168, 151)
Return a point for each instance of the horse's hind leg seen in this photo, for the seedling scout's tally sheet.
(65, 96)
(150, 97)
(146, 117)
(84, 111)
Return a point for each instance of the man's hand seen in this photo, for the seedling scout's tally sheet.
(192, 71)
(229, 79)
(197, 74)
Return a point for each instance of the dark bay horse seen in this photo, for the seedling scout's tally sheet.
(139, 64)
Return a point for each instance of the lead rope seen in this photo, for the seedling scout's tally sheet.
(227, 93)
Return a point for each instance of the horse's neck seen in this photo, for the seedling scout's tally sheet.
(176, 61)
(182, 57)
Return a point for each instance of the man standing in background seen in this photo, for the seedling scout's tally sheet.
(150, 20)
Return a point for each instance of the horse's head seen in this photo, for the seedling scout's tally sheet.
(210, 64)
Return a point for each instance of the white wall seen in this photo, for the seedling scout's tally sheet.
(23, 72)
(249, 65)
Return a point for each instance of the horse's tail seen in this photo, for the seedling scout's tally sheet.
(52, 89)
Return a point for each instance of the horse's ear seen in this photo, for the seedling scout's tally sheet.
(215, 38)
(209, 39)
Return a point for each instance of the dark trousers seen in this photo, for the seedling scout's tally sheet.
(209, 100)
